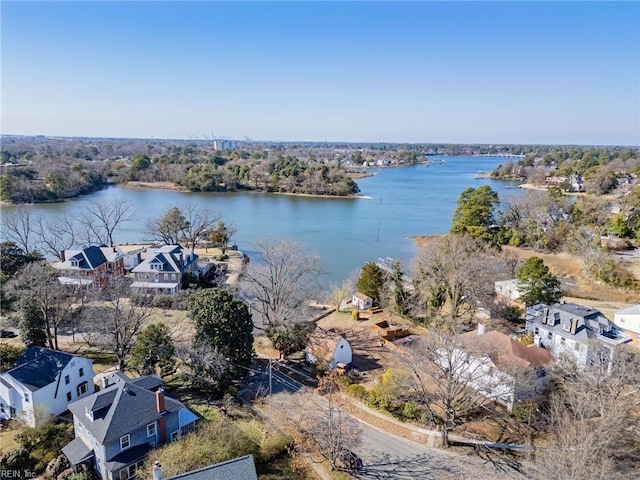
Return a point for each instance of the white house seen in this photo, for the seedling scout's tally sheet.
(42, 383)
(574, 332)
(628, 320)
(508, 292)
(361, 301)
(327, 349)
(501, 368)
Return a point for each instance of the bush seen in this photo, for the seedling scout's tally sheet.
(358, 391)
(410, 410)
(37, 447)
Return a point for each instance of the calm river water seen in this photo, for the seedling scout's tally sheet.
(398, 203)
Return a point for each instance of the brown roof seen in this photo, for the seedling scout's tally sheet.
(505, 352)
(361, 296)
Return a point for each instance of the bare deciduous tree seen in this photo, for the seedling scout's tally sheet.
(38, 285)
(594, 423)
(281, 279)
(56, 235)
(18, 226)
(100, 221)
(188, 224)
(199, 222)
(114, 319)
(449, 375)
(458, 270)
(321, 425)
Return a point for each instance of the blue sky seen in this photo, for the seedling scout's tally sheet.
(455, 72)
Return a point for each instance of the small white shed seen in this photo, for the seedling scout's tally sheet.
(361, 301)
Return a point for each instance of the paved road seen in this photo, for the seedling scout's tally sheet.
(386, 456)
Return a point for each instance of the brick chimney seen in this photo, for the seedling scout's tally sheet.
(160, 400)
(63, 255)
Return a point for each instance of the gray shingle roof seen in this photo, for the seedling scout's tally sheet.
(38, 367)
(76, 451)
(241, 468)
(589, 321)
(120, 408)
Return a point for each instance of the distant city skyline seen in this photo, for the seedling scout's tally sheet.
(397, 72)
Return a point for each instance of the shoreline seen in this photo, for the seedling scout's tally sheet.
(176, 188)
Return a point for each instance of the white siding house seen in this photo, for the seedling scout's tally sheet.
(42, 383)
(628, 320)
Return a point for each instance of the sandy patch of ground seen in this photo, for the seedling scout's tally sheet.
(369, 357)
(158, 185)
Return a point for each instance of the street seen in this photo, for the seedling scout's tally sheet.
(387, 456)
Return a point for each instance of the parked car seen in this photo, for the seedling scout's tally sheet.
(349, 461)
(7, 334)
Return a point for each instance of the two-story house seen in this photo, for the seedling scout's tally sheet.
(42, 383)
(504, 370)
(90, 266)
(116, 427)
(579, 333)
(161, 269)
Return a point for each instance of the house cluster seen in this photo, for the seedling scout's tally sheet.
(115, 427)
(154, 270)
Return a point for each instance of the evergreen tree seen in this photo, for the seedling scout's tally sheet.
(223, 324)
(537, 284)
(474, 213)
(153, 348)
(372, 279)
(32, 324)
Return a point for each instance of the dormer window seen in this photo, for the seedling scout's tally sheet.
(566, 327)
(74, 263)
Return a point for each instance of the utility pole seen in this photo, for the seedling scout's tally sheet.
(270, 375)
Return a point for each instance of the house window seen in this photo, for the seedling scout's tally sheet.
(549, 335)
(565, 327)
(173, 276)
(125, 441)
(175, 436)
(576, 346)
(81, 372)
(74, 263)
(66, 379)
(68, 396)
(130, 471)
(562, 340)
(26, 398)
(1, 407)
(151, 430)
(82, 388)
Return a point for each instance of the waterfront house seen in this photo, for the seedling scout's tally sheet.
(118, 426)
(574, 332)
(326, 349)
(161, 269)
(91, 266)
(628, 321)
(42, 383)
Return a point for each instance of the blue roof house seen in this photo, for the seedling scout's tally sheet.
(42, 383)
(118, 426)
